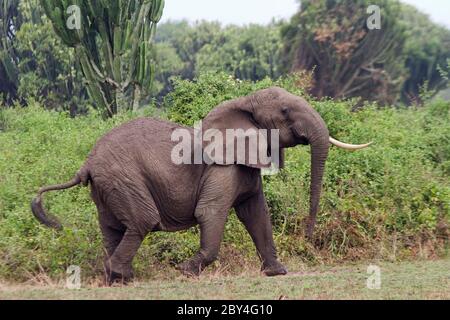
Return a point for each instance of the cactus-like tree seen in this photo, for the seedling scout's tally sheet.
(113, 43)
(349, 59)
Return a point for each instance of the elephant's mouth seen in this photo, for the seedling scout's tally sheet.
(303, 141)
(299, 135)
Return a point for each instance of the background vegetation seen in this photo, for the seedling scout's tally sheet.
(393, 65)
(391, 201)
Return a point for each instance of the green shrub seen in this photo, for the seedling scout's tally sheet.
(389, 201)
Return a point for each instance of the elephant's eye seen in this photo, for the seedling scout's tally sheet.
(285, 110)
(303, 140)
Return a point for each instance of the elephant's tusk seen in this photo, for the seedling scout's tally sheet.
(347, 146)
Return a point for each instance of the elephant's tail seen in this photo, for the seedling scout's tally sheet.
(38, 209)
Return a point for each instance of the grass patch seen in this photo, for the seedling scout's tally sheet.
(407, 280)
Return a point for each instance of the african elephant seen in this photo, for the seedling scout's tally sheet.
(138, 189)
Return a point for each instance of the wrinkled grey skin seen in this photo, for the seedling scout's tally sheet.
(137, 188)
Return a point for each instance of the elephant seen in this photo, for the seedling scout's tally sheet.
(138, 189)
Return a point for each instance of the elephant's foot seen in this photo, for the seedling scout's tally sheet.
(114, 278)
(120, 276)
(192, 267)
(274, 269)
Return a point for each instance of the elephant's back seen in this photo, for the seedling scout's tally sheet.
(140, 131)
(130, 139)
(140, 146)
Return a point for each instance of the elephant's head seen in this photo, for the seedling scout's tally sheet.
(297, 122)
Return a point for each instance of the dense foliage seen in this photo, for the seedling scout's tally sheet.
(188, 50)
(248, 53)
(329, 38)
(35, 64)
(47, 69)
(390, 201)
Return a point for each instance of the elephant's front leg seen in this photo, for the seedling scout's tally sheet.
(212, 224)
(255, 216)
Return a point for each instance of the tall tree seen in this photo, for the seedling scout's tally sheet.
(113, 43)
(332, 38)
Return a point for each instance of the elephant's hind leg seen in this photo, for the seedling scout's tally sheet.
(120, 264)
(112, 229)
(113, 232)
(135, 208)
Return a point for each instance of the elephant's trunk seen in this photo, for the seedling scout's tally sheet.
(319, 154)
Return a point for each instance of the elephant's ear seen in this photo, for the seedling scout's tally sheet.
(232, 136)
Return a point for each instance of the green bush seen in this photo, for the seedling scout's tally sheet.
(390, 201)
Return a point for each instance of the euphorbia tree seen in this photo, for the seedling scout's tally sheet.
(113, 43)
(349, 59)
